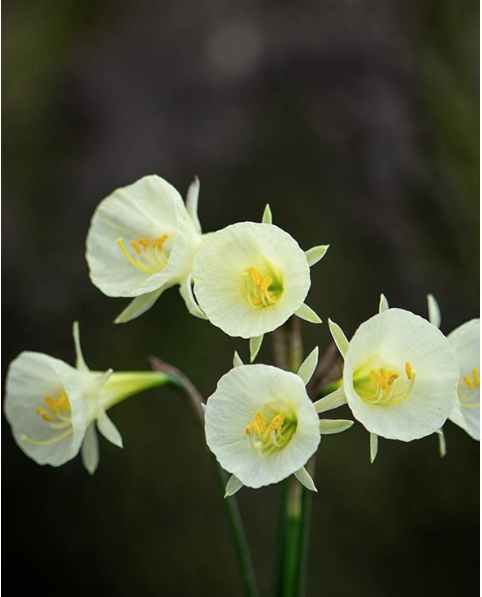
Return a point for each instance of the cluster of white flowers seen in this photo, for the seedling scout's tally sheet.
(402, 378)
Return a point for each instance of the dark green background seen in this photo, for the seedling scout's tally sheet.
(358, 122)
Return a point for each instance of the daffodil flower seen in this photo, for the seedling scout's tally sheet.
(54, 408)
(465, 340)
(249, 278)
(400, 376)
(142, 240)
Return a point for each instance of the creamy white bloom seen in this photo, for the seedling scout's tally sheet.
(249, 278)
(400, 376)
(53, 408)
(465, 340)
(142, 240)
(262, 426)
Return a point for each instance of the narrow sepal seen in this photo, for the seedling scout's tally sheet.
(108, 429)
(309, 365)
(79, 357)
(307, 313)
(237, 361)
(373, 447)
(315, 254)
(138, 306)
(383, 305)
(185, 289)
(232, 486)
(267, 215)
(305, 479)
(339, 337)
(192, 199)
(333, 400)
(331, 426)
(442, 445)
(434, 315)
(254, 346)
(90, 449)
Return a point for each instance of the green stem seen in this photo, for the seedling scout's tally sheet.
(240, 541)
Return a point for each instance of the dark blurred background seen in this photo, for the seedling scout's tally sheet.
(358, 121)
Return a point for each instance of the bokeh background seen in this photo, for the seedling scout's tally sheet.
(358, 121)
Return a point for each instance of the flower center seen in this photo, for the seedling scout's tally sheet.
(56, 416)
(467, 386)
(266, 438)
(261, 290)
(383, 386)
(149, 257)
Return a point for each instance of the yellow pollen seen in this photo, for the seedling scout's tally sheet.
(383, 378)
(468, 381)
(408, 370)
(475, 375)
(55, 405)
(136, 247)
(260, 295)
(145, 242)
(44, 414)
(159, 242)
(275, 424)
(259, 427)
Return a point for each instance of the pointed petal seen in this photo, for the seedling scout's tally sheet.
(192, 198)
(237, 361)
(333, 400)
(203, 406)
(339, 337)
(188, 296)
(254, 346)
(90, 449)
(267, 215)
(232, 486)
(315, 254)
(308, 366)
(373, 447)
(434, 315)
(331, 426)
(383, 305)
(441, 443)
(305, 479)
(108, 429)
(139, 305)
(79, 363)
(307, 313)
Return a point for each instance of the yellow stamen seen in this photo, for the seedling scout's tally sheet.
(260, 295)
(47, 442)
(135, 263)
(159, 242)
(145, 242)
(61, 403)
(475, 375)
(408, 370)
(275, 424)
(136, 247)
(44, 414)
(468, 381)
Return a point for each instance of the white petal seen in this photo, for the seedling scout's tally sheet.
(442, 445)
(307, 313)
(315, 254)
(240, 394)
(333, 400)
(305, 479)
(331, 426)
(373, 447)
(220, 270)
(254, 347)
(383, 305)
(187, 294)
(434, 315)
(339, 337)
(308, 366)
(267, 215)
(108, 429)
(139, 305)
(237, 361)
(192, 199)
(90, 449)
(233, 486)
(80, 362)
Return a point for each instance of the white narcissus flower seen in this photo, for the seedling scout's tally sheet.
(465, 340)
(54, 408)
(400, 376)
(142, 240)
(249, 278)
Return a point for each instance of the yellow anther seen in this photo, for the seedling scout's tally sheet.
(275, 424)
(136, 247)
(255, 276)
(383, 378)
(52, 404)
(248, 429)
(44, 414)
(62, 401)
(145, 242)
(259, 295)
(475, 375)
(408, 370)
(159, 242)
(259, 418)
(135, 263)
(468, 381)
